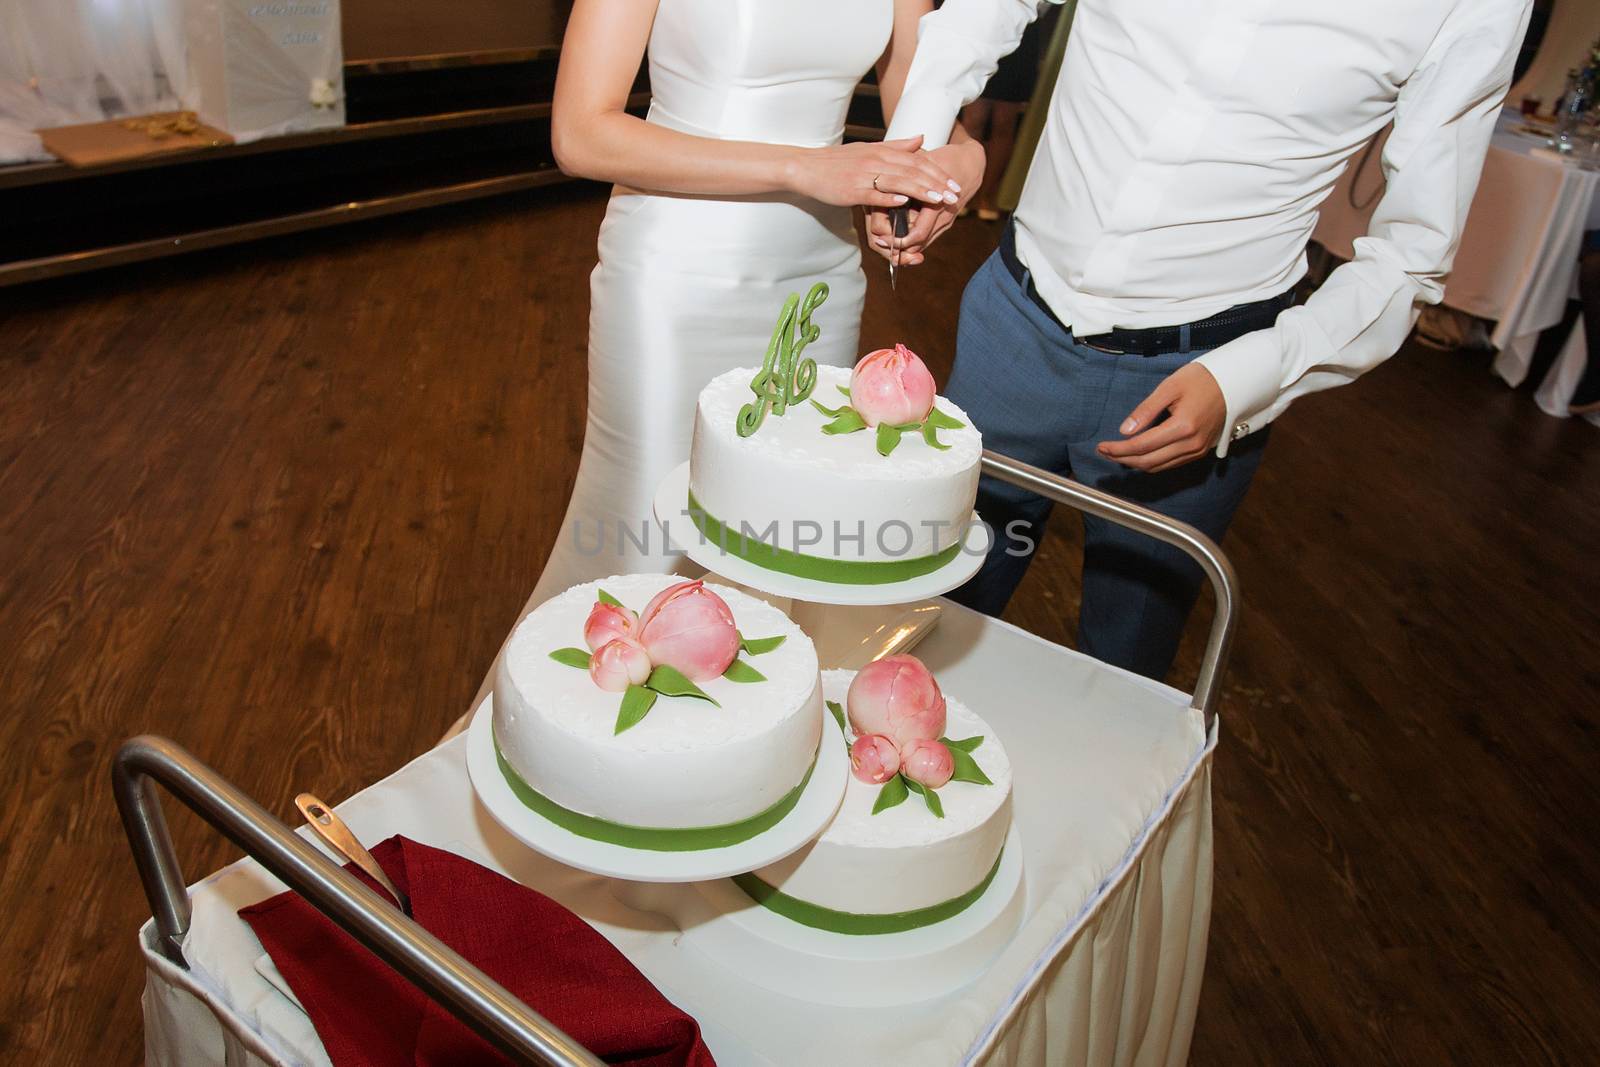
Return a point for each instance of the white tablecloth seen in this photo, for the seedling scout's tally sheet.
(1113, 801)
(1518, 260)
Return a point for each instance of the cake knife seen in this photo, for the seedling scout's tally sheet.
(900, 219)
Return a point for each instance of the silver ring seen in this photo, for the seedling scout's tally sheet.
(875, 178)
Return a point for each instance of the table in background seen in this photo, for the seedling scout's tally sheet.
(1113, 801)
(1518, 261)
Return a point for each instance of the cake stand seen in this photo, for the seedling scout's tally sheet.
(812, 812)
(671, 509)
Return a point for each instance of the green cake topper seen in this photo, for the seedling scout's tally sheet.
(785, 378)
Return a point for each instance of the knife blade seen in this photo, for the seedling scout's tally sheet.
(900, 218)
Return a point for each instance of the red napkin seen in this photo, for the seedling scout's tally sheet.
(366, 1014)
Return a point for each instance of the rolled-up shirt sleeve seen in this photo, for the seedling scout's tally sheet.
(1444, 116)
(958, 48)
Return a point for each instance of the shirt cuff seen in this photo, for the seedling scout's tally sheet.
(1247, 369)
(926, 111)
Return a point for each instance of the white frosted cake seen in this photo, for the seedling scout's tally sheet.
(902, 867)
(728, 759)
(834, 497)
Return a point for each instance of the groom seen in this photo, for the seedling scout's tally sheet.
(1135, 328)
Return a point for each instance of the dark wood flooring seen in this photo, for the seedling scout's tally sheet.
(283, 502)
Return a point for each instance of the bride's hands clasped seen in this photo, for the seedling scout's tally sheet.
(881, 174)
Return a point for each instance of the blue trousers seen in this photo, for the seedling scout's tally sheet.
(1040, 396)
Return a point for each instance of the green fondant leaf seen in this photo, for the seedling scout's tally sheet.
(892, 793)
(930, 434)
(845, 389)
(966, 744)
(740, 671)
(832, 413)
(636, 704)
(888, 438)
(606, 598)
(760, 646)
(847, 422)
(838, 717)
(935, 805)
(967, 769)
(670, 682)
(572, 657)
(940, 421)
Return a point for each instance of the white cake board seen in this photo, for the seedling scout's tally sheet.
(671, 505)
(868, 970)
(815, 808)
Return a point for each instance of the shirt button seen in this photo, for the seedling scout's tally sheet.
(1240, 430)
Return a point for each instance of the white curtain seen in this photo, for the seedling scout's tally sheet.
(72, 61)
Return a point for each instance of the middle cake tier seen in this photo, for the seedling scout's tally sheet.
(733, 753)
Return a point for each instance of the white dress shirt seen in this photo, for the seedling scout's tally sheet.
(1189, 143)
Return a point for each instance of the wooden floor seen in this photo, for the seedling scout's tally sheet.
(282, 503)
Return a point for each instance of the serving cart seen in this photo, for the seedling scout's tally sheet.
(1112, 793)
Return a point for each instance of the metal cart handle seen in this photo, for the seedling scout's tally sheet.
(466, 992)
(1197, 545)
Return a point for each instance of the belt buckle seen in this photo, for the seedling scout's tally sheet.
(1103, 348)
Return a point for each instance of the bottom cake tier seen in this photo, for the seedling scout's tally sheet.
(879, 869)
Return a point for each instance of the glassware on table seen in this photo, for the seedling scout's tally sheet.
(1571, 112)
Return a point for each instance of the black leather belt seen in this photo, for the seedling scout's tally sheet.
(1204, 335)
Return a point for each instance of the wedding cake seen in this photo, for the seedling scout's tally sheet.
(860, 476)
(647, 711)
(925, 813)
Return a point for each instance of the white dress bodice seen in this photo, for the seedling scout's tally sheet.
(763, 70)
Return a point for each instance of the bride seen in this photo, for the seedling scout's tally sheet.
(734, 192)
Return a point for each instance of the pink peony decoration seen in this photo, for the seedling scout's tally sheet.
(691, 629)
(874, 759)
(928, 763)
(618, 664)
(898, 698)
(892, 385)
(606, 623)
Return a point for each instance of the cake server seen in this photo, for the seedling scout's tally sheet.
(337, 836)
(901, 632)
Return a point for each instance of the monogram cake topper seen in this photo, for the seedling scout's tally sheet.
(785, 378)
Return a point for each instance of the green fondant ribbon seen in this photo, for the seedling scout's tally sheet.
(816, 568)
(650, 838)
(856, 923)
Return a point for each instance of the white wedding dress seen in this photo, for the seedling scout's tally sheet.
(690, 286)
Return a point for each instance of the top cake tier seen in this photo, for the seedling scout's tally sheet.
(831, 506)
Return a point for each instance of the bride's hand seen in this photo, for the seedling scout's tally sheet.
(883, 174)
(966, 161)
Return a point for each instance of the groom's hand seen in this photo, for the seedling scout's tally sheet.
(964, 161)
(1196, 412)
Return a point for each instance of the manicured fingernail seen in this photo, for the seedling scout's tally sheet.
(952, 184)
(951, 198)
(1129, 425)
(934, 194)
(900, 199)
(880, 242)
